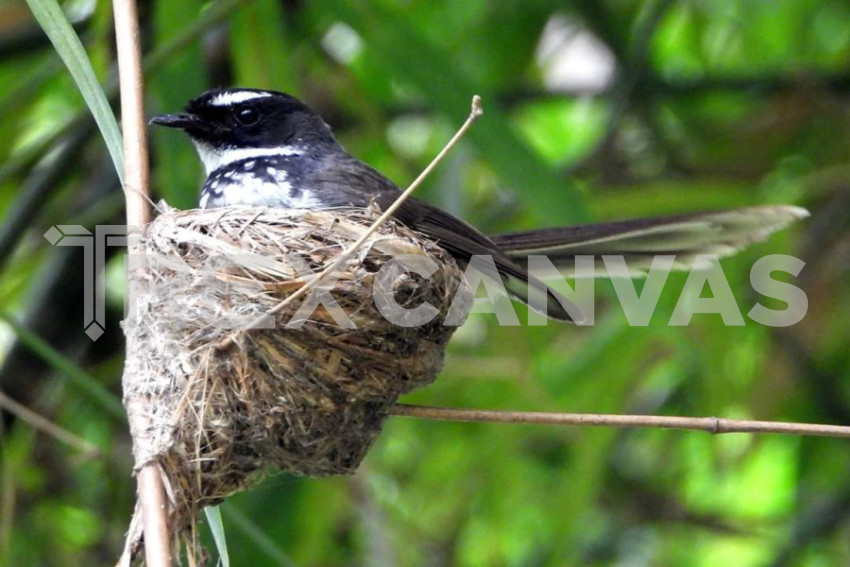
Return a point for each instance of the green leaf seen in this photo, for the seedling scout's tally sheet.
(52, 20)
(213, 514)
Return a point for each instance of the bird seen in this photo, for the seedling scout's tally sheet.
(266, 148)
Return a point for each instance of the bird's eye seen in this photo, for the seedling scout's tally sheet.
(247, 116)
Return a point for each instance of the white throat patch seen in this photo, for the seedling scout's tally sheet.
(215, 158)
(235, 97)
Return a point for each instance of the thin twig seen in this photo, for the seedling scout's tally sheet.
(44, 425)
(713, 425)
(151, 490)
(475, 112)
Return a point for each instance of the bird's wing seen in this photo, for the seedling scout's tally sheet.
(463, 241)
(346, 181)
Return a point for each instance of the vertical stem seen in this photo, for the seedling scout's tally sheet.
(132, 112)
(151, 494)
(151, 491)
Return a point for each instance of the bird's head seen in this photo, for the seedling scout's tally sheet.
(230, 124)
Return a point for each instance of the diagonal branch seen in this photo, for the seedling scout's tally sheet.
(44, 425)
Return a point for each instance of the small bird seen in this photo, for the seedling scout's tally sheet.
(267, 148)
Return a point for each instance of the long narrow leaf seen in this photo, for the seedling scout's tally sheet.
(52, 20)
(213, 514)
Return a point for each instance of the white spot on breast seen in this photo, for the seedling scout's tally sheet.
(258, 191)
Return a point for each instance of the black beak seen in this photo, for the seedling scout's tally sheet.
(183, 120)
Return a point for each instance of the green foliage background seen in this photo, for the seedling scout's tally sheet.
(714, 104)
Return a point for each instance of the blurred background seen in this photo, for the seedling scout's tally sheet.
(594, 110)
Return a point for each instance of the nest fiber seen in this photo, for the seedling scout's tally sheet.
(222, 404)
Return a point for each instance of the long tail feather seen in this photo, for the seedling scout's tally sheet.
(717, 233)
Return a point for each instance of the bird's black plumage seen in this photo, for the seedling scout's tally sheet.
(266, 148)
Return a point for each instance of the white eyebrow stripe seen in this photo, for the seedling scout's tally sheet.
(216, 158)
(235, 97)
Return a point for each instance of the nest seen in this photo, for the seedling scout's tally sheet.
(221, 404)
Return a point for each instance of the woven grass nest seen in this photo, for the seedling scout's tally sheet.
(311, 400)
